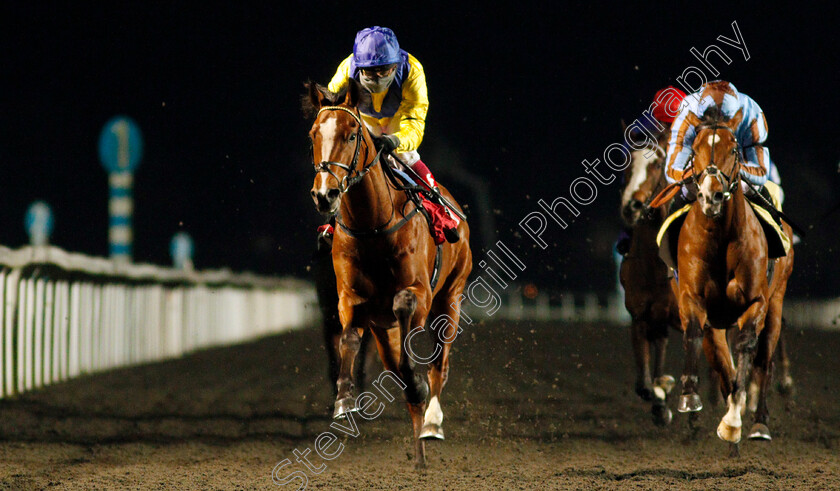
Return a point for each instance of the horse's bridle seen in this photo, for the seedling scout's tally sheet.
(729, 182)
(353, 176)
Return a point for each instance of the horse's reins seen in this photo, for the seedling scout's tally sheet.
(712, 170)
(353, 177)
(733, 178)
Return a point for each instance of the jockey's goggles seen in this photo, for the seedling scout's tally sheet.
(378, 71)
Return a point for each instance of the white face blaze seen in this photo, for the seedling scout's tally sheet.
(328, 130)
(713, 138)
(638, 174)
(709, 207)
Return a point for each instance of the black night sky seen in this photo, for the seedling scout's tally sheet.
(519, 97)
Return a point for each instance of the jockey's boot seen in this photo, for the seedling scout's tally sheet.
(765, 200)
(678, 202)
(325, 234)
(622, 245)
(450, 230)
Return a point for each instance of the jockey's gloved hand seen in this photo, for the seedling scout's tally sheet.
(387, 143)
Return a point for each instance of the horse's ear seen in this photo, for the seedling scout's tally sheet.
(354, 93)
(736, 119)
(317, 96)
(314, 99)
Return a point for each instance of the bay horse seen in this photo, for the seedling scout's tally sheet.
(649, 288)
(383, 258)
(722, 264)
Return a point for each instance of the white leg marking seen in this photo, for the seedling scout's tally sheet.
(733, 415)
(434, 415)
(659, 392)
(753, 396)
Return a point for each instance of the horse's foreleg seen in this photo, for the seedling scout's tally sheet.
(749, 325)
(406, 303)
(762, 373)
(662, 384)
(641, 355)
(721, 365)
(348, 350)
(332, 340)
(443, 329)
(693, 318)
(786, 386)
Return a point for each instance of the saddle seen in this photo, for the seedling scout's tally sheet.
(778, 243)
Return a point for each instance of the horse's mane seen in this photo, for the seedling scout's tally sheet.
(713, 117)
(334, 98)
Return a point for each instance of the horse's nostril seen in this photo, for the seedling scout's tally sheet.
(313, 193)
(717, 197)
(332, 194)
(636, 204)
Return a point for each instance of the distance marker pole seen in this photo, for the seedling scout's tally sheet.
(120, 211)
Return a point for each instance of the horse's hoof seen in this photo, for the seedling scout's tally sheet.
(645, 394)
(786, 387)
(731, 434)
(344, 406)
(666, 382)
(689, 403)
(431, 431)
(760, 431)
(662, 416)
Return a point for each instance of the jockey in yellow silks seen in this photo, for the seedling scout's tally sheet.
(399, 102)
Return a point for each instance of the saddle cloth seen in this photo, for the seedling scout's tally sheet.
(778, 243)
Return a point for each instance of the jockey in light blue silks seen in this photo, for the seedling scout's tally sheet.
(756, 169)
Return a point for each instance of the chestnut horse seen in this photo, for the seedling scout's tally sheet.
(722, 261)
(648, 284)
(383, 255)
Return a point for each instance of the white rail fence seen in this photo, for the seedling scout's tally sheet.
(609, 308)
(68, 314)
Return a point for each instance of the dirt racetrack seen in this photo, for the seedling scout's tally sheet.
(528, 406)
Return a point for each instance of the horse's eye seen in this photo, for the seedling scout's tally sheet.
(734, 151)
(352, 137)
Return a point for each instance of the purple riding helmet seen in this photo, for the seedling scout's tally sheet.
(376, 47)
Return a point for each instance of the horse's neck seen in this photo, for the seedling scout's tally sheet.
(368, 204)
